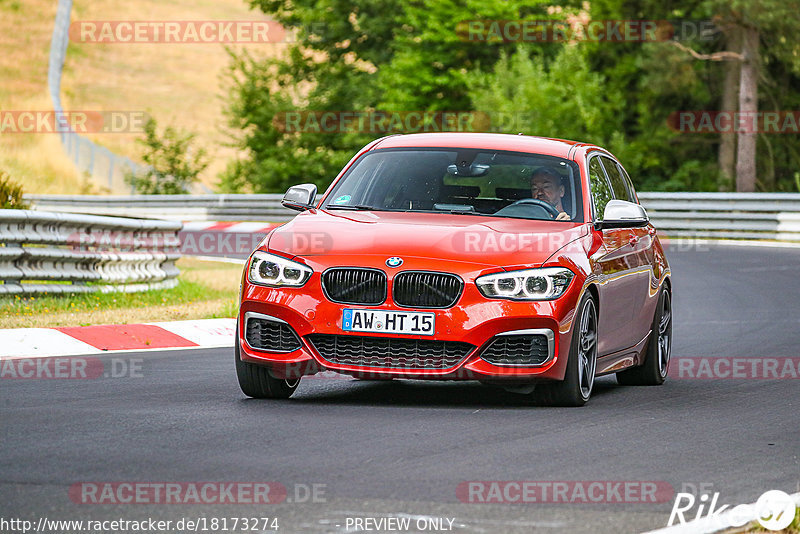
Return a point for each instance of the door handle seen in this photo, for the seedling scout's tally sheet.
(634, 239)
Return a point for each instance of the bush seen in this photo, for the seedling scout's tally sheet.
(11, 194)
(172, 166)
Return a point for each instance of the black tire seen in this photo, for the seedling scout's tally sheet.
(576, 388)
(654, 370)
(257, 381)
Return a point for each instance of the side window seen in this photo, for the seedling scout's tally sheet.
(629, 183)
(601, 193)
(618, 185)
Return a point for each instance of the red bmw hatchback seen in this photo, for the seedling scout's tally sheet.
(517, 261)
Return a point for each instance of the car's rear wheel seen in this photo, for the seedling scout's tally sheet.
(576, 388)
(257, 381)
(654, 370)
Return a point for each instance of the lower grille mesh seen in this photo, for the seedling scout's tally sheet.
(268, 335)
(390, 353)
(528, 349)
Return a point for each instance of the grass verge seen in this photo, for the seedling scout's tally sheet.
(794, 528)
(205, 290)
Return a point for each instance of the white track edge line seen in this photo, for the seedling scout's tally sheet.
(111, 352)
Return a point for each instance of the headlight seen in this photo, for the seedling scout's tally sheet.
(530, 284)
(271, 270)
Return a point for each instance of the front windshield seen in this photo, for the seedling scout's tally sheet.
(463, 181)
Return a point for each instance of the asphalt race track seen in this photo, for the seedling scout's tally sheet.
(401, 449)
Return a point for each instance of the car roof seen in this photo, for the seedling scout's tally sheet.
(491, 141)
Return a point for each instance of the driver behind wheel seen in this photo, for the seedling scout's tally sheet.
(546, 185)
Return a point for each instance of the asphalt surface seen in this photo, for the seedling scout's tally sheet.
(400, 449)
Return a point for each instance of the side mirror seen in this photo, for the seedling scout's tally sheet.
(623, 214)
(300, 197)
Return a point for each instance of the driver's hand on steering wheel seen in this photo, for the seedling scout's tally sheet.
(563, 216)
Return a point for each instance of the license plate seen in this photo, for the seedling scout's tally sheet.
(390, 322)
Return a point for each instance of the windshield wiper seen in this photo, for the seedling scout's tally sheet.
(464, 212)
(456, 212)
(357, 207)
(465, 209)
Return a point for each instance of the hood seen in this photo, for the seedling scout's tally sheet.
(468, 238)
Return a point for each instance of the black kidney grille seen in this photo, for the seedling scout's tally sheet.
(529, 349)
(390, 353)
(354, 286)
(420, 289)
(264, 334)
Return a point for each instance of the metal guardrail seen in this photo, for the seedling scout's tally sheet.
(773, 216)
(704, 215)
(70, 253)
(171, 207)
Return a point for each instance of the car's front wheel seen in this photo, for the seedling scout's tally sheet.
(653, 371)
(257, 381)
(576, 388)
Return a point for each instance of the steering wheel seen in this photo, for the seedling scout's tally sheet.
(549, 208)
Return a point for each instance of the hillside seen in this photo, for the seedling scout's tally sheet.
(34, 160)
(177, 84)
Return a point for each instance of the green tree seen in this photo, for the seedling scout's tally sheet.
(775, 23)
(661, 78)
(407, 55)
(11, 194)
(543, 97)
(400, 55)
(172, 165)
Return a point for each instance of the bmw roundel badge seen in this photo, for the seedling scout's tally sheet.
(394, 261)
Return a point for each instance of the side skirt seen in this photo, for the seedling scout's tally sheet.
(617, 361)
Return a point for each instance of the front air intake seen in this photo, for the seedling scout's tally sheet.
(520, 350)
(269, 334)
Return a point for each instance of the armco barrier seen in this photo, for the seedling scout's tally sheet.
(71, 253)
(774, 216)
(172, 207)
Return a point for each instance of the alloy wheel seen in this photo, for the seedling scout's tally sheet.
(587, 349)
(665, 335)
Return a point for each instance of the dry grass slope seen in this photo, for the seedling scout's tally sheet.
(34, 160)
(178, 84)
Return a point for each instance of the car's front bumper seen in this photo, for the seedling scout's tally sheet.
(474, 319)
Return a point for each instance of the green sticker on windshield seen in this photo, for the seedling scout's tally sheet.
(342, 199)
